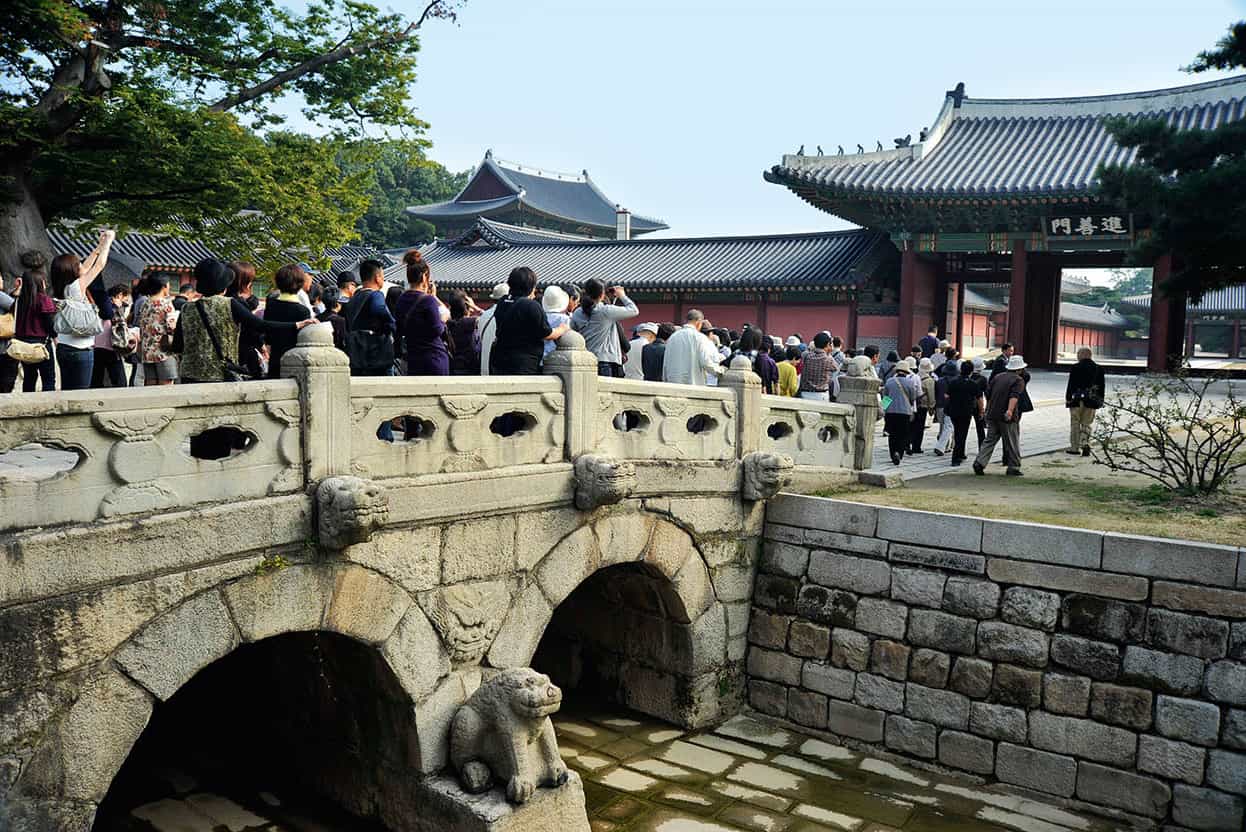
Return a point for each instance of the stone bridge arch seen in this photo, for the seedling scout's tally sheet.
(688, 678)
(82, 750)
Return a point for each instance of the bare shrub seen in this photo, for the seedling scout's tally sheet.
(1180, 431)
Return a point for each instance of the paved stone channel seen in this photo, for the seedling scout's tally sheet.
(750, 776)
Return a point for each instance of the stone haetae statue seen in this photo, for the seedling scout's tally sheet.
(602, 481)
(765, 474)
(349, 509)
(503, 732)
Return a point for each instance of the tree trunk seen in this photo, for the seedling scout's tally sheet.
(21, 222)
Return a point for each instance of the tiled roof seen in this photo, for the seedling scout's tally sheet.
(1017, 148)
(821, 260)
(977, 300)
(150, 249)
(567, 198)
(1077, 313)
(1216, 301)
(1070, 313)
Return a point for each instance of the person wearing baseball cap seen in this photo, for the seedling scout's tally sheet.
(486, 326)
(1005, 397)
(632, 366)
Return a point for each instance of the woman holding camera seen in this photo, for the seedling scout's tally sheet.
(597, 320)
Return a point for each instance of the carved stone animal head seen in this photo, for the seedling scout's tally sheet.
(531, 695)
(467, 617)
(765, 474)
(602, 481)
(349, 510)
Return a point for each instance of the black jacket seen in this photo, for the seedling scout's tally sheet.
(1087, 385)
(651, 358)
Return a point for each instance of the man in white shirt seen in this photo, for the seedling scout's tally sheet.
(487, 328)
(645, 334)
(690, 355)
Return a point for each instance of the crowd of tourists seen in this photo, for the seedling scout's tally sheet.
(214, 328)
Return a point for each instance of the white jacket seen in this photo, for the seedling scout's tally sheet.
(689, 356)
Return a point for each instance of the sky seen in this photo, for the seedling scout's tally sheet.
(676, 107)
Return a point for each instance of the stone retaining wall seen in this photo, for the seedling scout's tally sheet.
(1102, 667)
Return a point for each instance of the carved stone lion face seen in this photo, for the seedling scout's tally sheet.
(532, 694)
(467, 617)
(350, 509)
(765, 474)
(602, 480)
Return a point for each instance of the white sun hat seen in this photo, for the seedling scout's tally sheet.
(554, 299)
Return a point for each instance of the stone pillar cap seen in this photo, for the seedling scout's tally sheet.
(316, 335)
(571, 340)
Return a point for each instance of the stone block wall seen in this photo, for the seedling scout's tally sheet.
(1101, 667)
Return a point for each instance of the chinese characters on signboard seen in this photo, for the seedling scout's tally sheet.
(1092, 226)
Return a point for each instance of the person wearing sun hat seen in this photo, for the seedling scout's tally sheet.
(554, 301)
(923, 405)
(487, 327)
(1003, 417)
(900, 396)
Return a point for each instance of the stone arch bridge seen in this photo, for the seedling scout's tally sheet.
(423, 565)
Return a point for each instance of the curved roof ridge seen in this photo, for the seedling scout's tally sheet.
(518, 167)
(668, 241)
(1125, 103)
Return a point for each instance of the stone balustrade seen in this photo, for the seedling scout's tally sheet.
(136, 454)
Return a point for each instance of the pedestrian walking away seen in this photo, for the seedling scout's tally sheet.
(1083, 396)
(1003, 417)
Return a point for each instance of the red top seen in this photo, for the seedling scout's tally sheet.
(36, 322)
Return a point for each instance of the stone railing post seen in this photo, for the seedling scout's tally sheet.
(746, 385)
(323, 375)
(861, 391)
(577, 367)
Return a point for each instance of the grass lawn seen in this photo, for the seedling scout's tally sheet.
(1064, 490)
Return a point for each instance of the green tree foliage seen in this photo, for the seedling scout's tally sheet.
(401, 177)
(138, 112)
(1192, 185)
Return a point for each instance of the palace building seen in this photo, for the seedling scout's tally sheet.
(783, 283)
(526, 196)
(1005, 191)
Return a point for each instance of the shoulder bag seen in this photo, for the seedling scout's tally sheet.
(26, 352)
(8, 324)
(369, 351)
(231, 371)
(77, 318)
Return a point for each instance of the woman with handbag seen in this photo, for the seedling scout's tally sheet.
(31, 346)
(77, 321)
(209, 327)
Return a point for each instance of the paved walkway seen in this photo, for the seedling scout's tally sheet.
(1042, 432)
(750, 776)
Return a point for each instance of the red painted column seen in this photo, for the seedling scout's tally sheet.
(1167, 321)
(910, 268)
(851, 338)
(1016, 296)
(959, 343)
